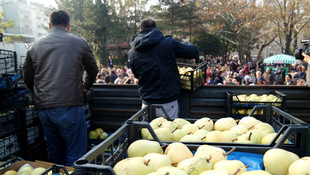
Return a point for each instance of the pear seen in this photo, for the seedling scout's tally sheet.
(224, 124)
(240, 129)
(181, 122)
(231, 134)
(190, 138)
(202, 134)
(134, 165)
(177, 152)
(215, 153)
(195, 165)
(170, 125)
(38, 171)
(158, 121)
(178, 134)
(171, 171)
(301, 166)
(140, 148)
(145, 133)
(256, 172)
(158, 160)
(277, 161)
(232, 166)
(247, 138)
(215, 172)
(258, 134)
(10, 172)
(153, 173)
(163, 134)
(205, 123)
(266, 127)
(218, 136)
(190, 128)
(269, 138)
(25, 169)
(249, 122)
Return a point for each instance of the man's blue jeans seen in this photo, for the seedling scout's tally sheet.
(65, 132)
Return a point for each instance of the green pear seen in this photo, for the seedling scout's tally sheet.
(247, 138)
(25, 169)
(181, 122)
(256, 172)
(232, 166)
(249, 122)
(277, 161)
(177, 152)
(215, 172)
(301, 166)
(190, 138)
(103, 136)
(224, 124)
(158, 160)
(205, 123)
(266, 127)
(168, 170)
(99, 131)
(170, 125)
(190, 128)
(195, 165)
(218, 136)
(93, 135)
(215, 153)
(38, 171)
(163, 134)
(231, 134)
(140, 148)
(202, 134)
(133, 165)
(269, 138)
(145, 133)
(240, 129)
(178, 134)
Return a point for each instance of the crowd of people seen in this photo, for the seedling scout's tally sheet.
(230, 73)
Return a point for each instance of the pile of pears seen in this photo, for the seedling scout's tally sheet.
(185, 75)
(257, 98)
(97, 134)
(248, 130)
(146, 157)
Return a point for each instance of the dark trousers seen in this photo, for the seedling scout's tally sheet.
(65, 132)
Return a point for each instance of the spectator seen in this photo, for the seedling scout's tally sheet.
(219, 78)
(295, 77)
(225, 82)
(113, 75)
(103, 72)
(110, 62)
(280, 76)
(107, 79)
(53, 71)
(259, 78)
(153, 63)
(131, 79)
(303, 72)
(120, 78)
(288, 80)
(269, 77)
(247, 79)
(100, 79)
(300, 82)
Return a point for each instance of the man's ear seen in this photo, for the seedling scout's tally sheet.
(50, 25)
(68, 28)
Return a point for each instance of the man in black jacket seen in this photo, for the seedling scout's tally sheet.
(53, 70)
(153, 62)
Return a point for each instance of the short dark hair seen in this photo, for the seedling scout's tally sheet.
(60, 17)
(146, 23)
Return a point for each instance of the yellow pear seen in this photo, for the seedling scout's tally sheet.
(158, 121)
(158, 160)
(163, 134)
(170, 125)
(269, 138)
(256, 172)
(38, 171)
(178, 134)
(240, 129)
(277, 161)
(215, 172)
(249, 122)
(177, 152)
(134, 165)
(258, 134)
(266, 127)
(205, 123)
(10, 172)
(247, 138)
(190, 128)
(202, 134)
(301, 166)
(181, 122)
(215, 153)
(171, 171)
(232, 166)
(140, 148)
(224, 124)
(190, 138)
(195, 165)
(218, 136)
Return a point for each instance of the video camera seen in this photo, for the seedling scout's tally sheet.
(305, 49)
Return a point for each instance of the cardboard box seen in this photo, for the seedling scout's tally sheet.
(15, 166)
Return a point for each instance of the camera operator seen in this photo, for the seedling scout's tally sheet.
(307, 60)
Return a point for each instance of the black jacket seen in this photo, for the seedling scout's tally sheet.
(54, 69)
(153, 62)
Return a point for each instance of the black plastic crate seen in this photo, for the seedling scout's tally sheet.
(20, 98)
(8, 62)
(31, 115)
(37, 151)
(9, 121)
(292, 128)
(34, 135)
(235, 102)
(9, 146)
(9, 81)
(194, 78)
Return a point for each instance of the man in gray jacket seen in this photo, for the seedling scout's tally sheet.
(53, 71)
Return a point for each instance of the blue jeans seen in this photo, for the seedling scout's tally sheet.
(65, 132)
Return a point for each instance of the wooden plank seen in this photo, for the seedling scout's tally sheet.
(116, 100)
(207, 102)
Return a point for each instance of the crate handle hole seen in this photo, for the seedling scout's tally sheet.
(81, 162)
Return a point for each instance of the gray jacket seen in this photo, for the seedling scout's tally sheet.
(54, 67)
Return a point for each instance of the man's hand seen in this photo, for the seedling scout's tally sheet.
(306, 58)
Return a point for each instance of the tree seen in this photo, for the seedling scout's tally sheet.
(5, 24)
(207, 43)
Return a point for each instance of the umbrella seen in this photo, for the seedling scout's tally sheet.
(280, 59)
